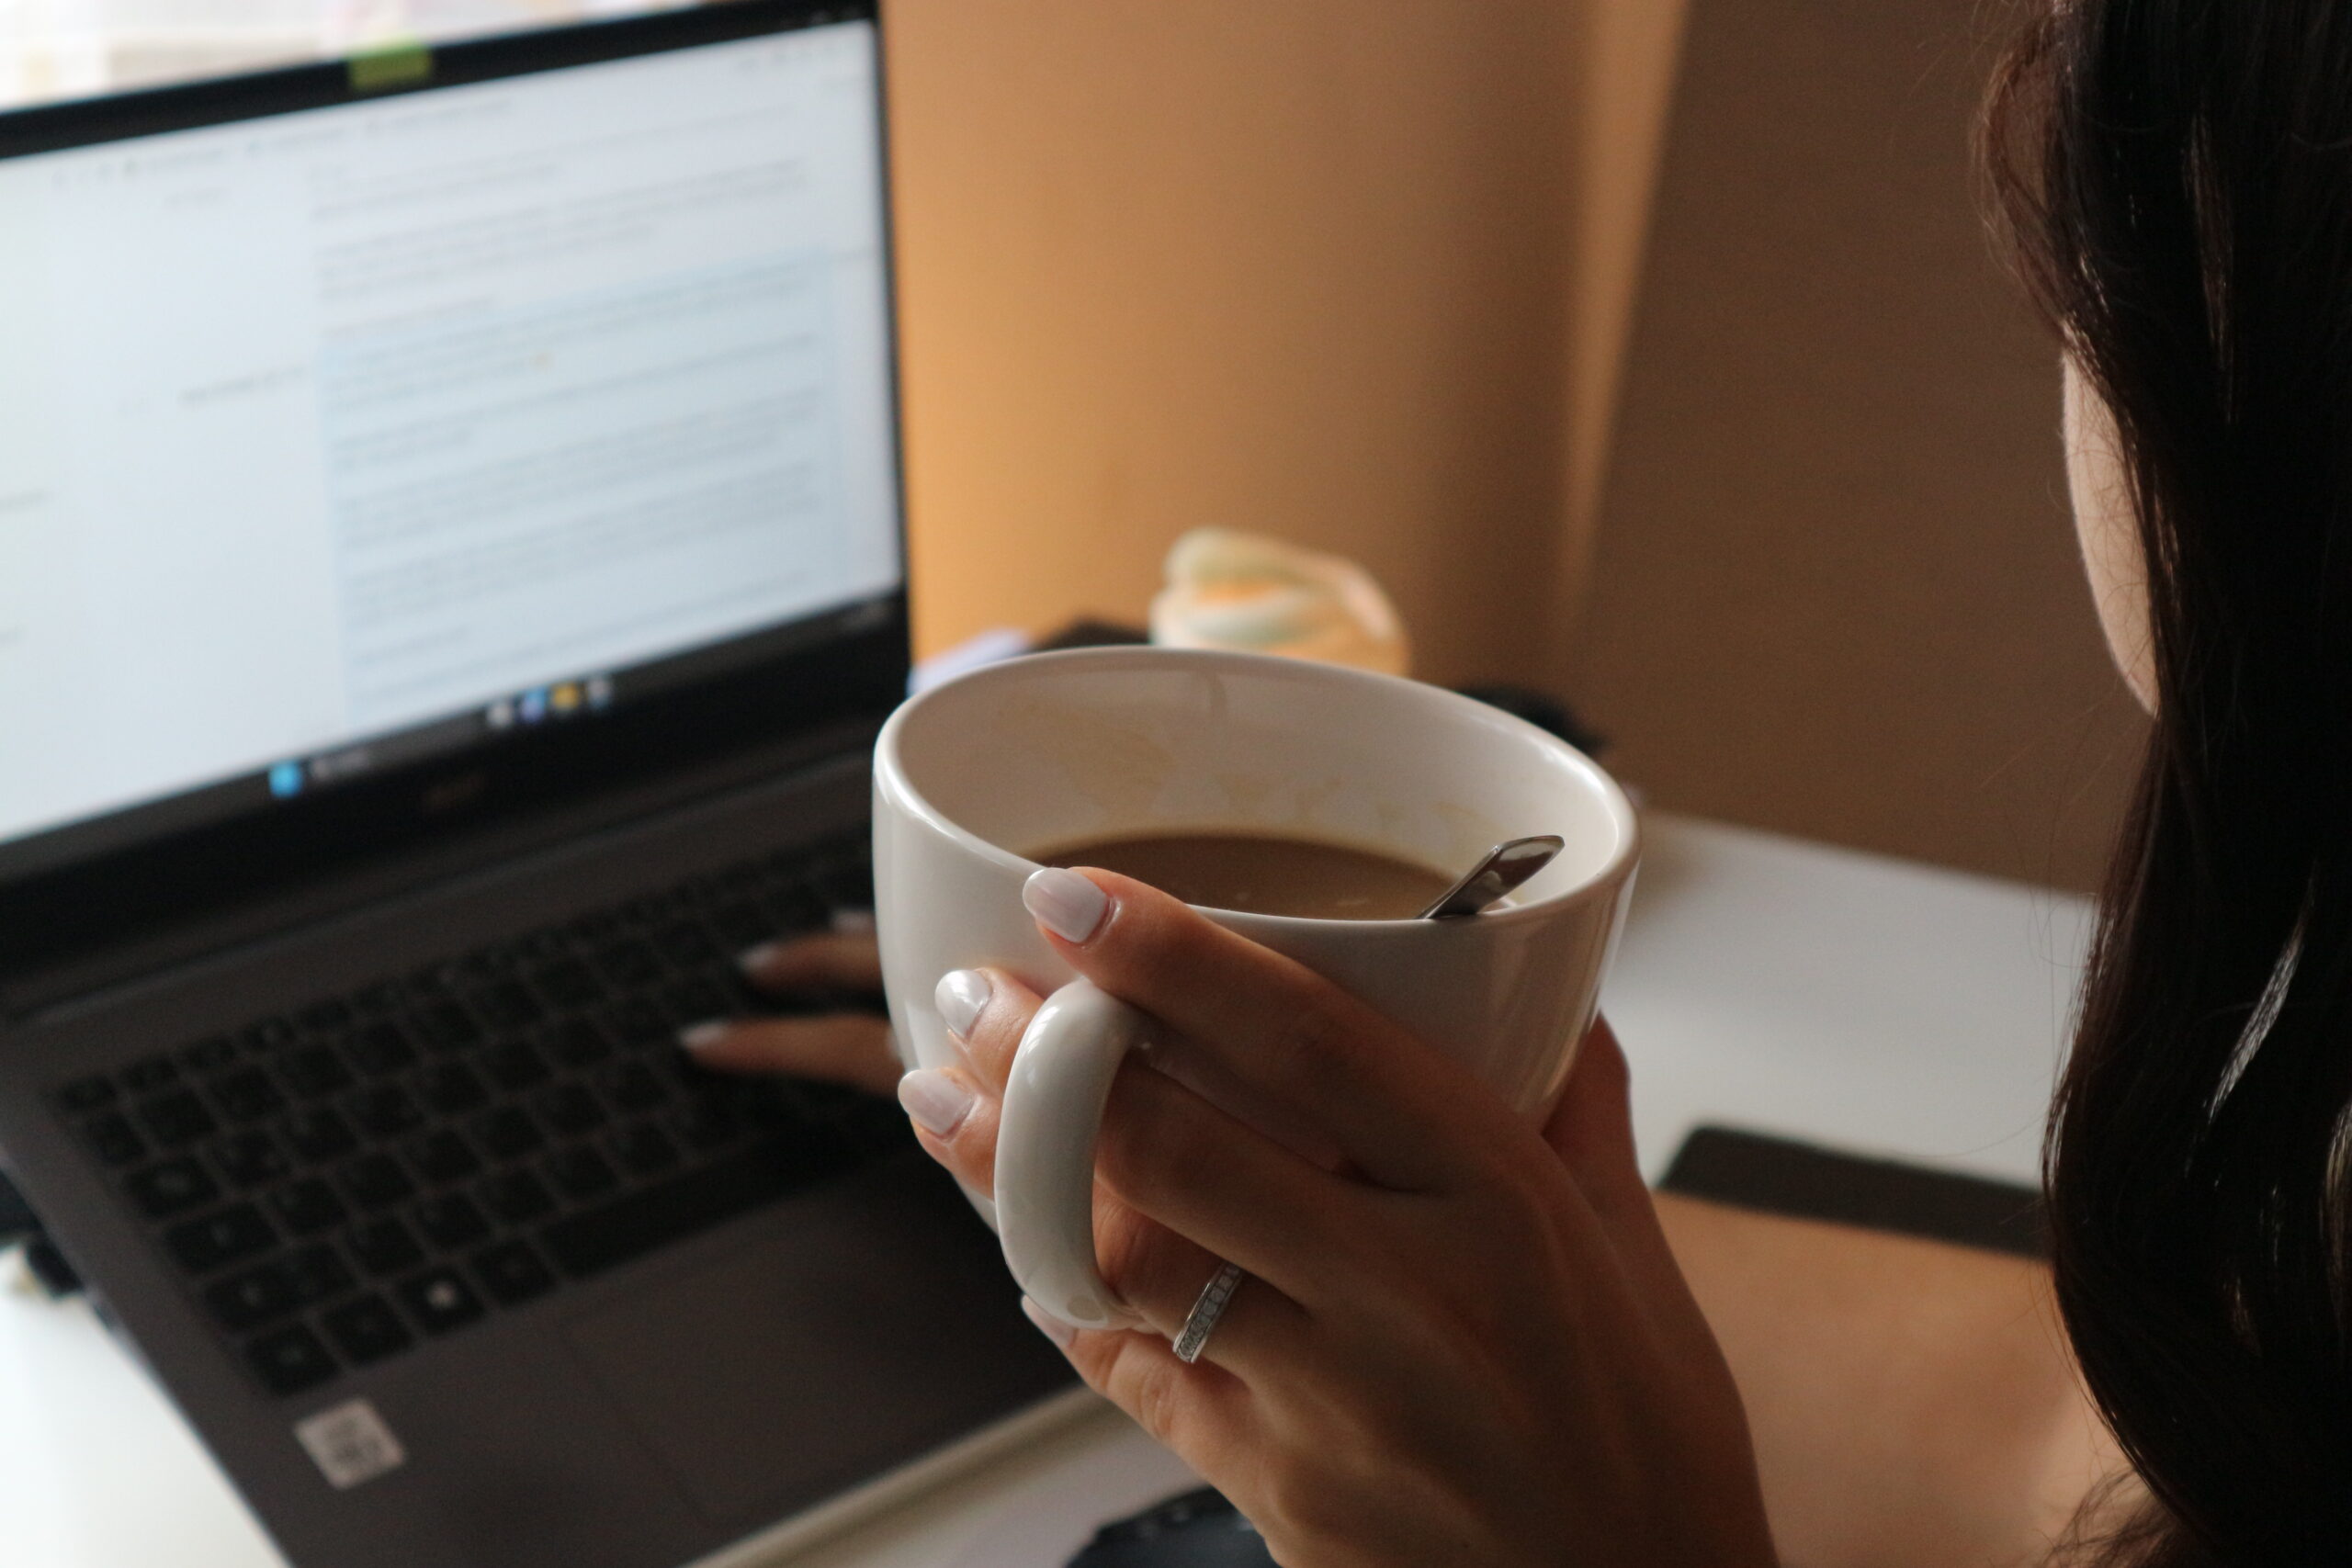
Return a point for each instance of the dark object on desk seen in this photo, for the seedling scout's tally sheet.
(1752, 1170)
(1087, 632)
(17, 1218)
(1199, 1529)
(1545, 712)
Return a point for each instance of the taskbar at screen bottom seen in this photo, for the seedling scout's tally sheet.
(587, 696)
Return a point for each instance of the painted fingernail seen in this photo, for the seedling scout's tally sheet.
(1052, 1328)
(962, 994)
(937, 1102)
(1066, 903)
(703, 1036)
(751, 960)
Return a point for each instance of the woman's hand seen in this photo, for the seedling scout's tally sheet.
(1462, 1338)
(847, 1046)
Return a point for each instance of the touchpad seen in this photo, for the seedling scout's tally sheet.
(855, 1330)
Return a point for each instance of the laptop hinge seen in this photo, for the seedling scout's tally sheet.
(92, 979)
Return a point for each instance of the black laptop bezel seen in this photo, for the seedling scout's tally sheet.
(842, 674)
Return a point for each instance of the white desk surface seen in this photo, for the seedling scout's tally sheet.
(1881, 1006)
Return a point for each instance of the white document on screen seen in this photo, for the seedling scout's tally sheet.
(318, 427)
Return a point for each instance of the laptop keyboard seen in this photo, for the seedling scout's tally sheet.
(342, 1183)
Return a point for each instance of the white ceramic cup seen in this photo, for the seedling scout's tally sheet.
(1041, 753)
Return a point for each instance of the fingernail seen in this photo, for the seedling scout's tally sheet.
(962, 994)
(1066, 903)
(853, 922)
(702, 1036)
(1052, 1328)
(937, 1102)
(751, 960)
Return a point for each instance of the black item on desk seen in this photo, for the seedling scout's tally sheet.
(1199, 1529)
(1779, 1176)
(16, 1217)
(1545, 712)
(1087, 632)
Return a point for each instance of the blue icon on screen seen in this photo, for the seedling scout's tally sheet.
(286, 779)
(533, 706)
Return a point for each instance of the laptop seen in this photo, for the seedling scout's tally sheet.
(451, 575)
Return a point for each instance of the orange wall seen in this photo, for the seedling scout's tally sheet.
(1300, 265)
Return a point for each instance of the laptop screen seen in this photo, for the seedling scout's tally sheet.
(337, 438)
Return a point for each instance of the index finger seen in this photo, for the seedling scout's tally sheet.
(1400, 1112)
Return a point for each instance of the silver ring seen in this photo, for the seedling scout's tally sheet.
(1200, 1321)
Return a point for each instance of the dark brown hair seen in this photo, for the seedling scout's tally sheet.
(2175, 180)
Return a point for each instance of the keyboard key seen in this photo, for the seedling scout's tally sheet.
(381, 1050)
(270, 1035)
(376, 1182)
(576, 1043)
(317, 1136)
(569, 983)
(247, 1095)
(451, 1222)
(633, 1086)
(639, 1022)
(313, 1072)
(630, 963)
(513, 1273)
(228, 1236)
(507, 1006)
(307, 1207)
(177, 1118)
(644, 1149)
(93, 1093)
(568, 1109)
(740, 925)
(629, 1227)
(451, 1088)
(325, 1017)
(246, 1302)
(251, 1159)
(443, 1157)
(515, 1196)
(688, 946)
(319, 1272)
(171, 1188)
(696, 1002)
(290, 1360)
(445, 1026)
(848, 883)
(439, 1300)
(508, 1133)
(152, 1073)
(581, 1172)
(384, 1111)
(114, 1140)
(208, 1056)
(366, 1330)
(795, 909)
(385, 1246)
(513, 1066)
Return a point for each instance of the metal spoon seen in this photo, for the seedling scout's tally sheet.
(1502, 869)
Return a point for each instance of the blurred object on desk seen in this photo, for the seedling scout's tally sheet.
(1248, 594)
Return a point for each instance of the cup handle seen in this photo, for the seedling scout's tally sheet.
(1045, 1151)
